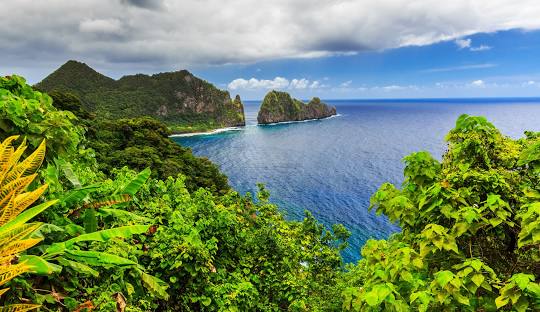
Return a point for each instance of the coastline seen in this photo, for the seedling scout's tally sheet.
(214, 131)
(228, 129)
(296, 121)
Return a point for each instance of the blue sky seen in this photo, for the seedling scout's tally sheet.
(334, 49)
(504, 63)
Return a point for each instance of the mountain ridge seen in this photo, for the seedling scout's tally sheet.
(183, 101)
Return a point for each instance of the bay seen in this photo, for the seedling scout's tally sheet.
(331, 167)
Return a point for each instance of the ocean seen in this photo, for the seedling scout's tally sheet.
(331, 167)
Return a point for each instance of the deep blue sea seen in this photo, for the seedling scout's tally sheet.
(331, 167)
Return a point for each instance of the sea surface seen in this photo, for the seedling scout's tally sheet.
(331, 167)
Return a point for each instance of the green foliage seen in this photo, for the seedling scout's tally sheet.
(179, 99)
(31, 114)
(144, 143)
(470, 230)
(229, 253)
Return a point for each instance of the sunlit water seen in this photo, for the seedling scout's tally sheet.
(331, 167)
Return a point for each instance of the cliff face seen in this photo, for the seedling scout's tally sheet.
(184, 102)
(280, 106)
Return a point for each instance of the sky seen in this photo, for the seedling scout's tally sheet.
(334, 49)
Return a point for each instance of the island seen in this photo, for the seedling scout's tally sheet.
(279, 106)
(182, 101)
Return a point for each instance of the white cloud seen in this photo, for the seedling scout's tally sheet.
(463, 43)
(105, 26)
(278, 83)
(346, 84)
(177, 34)
(457, 68)
(478, 83)
(481, 47)
(316, 84)
(253, 83)
(467, 44)
(299, 83)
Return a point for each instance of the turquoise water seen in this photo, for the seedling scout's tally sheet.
(332, 166)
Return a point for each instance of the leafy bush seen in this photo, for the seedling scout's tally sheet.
(470, 229)
(31, 114)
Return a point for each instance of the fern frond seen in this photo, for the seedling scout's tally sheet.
(18, 246)
(19, 232)
(22, 201)
(3, 291)
(34, 161)
(19, 185)
(9, 272)
(19, 307)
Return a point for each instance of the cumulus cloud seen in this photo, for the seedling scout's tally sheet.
(467, 44)
(299, 83)
(478, 83)
(278, 83)
(463, 43)
(253, 83)
(176, 34)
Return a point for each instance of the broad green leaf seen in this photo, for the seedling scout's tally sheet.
(90, 220)
(155, 285)
(102, 236)
(478, 279)
(136, 183)
(444, 277)
(371, 298)
(79, 267)
(124, 215)
(39, 265)
(96, 258)
(77, 195)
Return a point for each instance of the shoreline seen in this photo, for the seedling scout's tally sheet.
(240, 128)
(296, 121)
(219, 130)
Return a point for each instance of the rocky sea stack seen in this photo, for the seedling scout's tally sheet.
(179, 99)
(280, 107)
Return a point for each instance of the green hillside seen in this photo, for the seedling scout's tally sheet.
(184, 102)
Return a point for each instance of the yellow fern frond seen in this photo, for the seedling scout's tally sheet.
(19, 307)
(12, 163)
(18, 246)
(7, 260)
(19, 185)
(3, 291)
(22, 201)
(6, 150)
(34, 161)
(19, 232)
(9, 272)
(7, 197)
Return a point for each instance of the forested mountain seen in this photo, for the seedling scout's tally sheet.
(184, 102)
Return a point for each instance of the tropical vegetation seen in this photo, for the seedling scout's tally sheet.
(123, 219)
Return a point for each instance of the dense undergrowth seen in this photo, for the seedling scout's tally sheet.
(124, 221)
